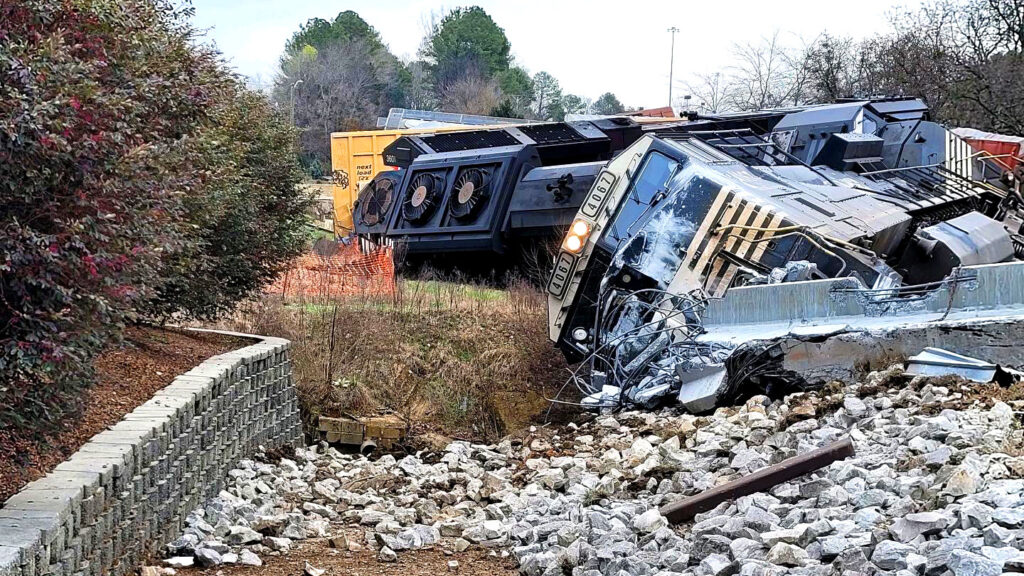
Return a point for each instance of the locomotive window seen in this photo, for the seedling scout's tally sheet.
(649, 187)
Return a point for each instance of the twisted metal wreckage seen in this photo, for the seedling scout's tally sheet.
(725, 255)
(775, 250)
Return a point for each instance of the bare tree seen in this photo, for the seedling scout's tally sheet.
(337, 88)
(766, 74)
(796, 60)
(712, 93)
(472, 93)
(428, 23)
(830, 66)
(977, 29)
(1009, 16)
(966, 58)
(762, 76)
(419, 94)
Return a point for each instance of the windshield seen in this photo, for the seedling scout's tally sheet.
(649, 186)
(659, 217)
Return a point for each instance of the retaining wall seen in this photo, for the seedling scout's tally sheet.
(126, 492)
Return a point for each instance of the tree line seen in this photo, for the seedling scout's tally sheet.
(339, 75)
(965, 58)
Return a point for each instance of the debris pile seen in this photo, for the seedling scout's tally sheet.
(935, 486)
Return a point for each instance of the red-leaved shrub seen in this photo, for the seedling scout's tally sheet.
(109, 165)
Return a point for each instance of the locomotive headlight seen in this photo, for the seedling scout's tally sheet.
(580, 228)
(577, 237)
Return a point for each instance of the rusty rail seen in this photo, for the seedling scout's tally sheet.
(759, 481)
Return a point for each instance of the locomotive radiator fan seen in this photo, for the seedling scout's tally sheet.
(470, 193)
(375, 201)
(422, 197)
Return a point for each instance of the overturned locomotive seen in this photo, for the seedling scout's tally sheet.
(478, 196)
(776, 249)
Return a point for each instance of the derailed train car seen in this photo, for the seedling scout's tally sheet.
(476, 197)
(714, 256)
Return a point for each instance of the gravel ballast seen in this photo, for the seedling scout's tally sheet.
(935, 489)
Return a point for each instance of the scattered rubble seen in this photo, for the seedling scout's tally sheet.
(935, 488)
(763, 479)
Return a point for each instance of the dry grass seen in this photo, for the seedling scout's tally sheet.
(461, 359)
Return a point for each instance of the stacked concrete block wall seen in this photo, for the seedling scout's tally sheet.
(126, 492)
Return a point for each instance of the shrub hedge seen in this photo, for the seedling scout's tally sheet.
(138, 179)
(250, 218)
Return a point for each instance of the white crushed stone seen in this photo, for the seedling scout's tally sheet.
(930, 492)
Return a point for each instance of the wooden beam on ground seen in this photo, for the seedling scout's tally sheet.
(760, 481)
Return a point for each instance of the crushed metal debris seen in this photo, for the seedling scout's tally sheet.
(939, 362)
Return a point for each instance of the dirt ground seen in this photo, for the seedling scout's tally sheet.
(127, 375)
(426, 562)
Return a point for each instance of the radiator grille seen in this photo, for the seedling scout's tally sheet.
(454, 141)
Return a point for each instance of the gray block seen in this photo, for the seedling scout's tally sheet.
(48, 523)
(10, 561)
(124, 494)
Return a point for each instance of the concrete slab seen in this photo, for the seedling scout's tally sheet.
(10, 561)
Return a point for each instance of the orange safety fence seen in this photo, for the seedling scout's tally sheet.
(341, 270)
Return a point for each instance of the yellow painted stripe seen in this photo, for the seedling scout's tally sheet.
(713, 242)
(766, 219)
(746, 218)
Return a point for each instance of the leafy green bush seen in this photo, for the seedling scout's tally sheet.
(121, 138)
(250, 218)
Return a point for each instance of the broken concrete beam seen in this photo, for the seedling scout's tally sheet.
(701, 388)
(843, 356)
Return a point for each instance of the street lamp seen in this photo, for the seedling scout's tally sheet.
(671, 63)
(292, 91)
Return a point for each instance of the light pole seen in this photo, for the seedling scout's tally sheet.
(294, 86)
(671, 63)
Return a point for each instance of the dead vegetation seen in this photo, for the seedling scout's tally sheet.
(450, 356)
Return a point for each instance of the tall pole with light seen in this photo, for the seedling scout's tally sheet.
(671, 63)
(294, 86)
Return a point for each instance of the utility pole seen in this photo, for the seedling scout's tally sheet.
(671, 63)
(294, 86)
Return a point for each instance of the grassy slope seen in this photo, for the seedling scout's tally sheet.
(458, 359)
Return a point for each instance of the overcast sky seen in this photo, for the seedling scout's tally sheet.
(591, 46)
